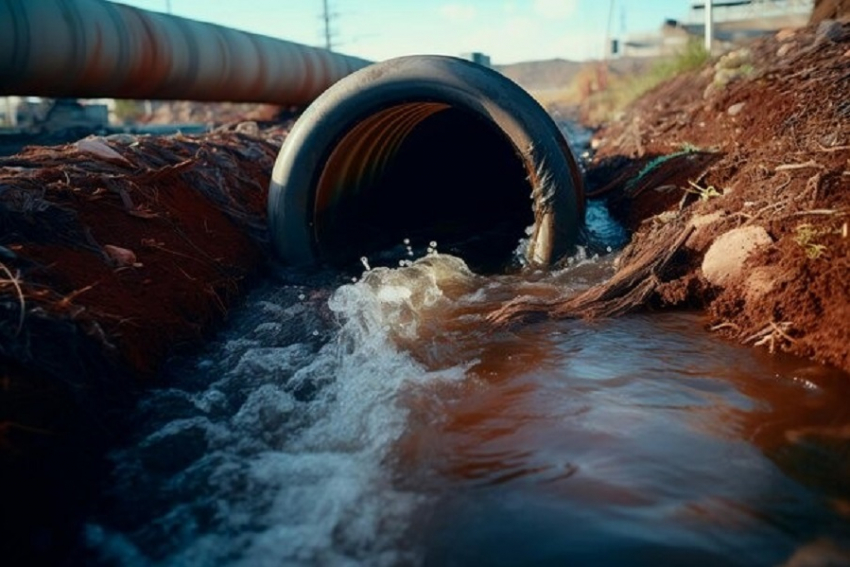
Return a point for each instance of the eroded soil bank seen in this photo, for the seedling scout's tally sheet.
(114, 253)
(736, 182)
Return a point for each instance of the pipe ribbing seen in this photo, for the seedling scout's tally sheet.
(93, 48)
(427, 146)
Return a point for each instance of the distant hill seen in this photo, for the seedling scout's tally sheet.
(559, 73)
(542, 75)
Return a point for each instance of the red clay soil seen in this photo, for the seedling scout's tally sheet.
(137, 244)
(114, 253)
(756, 140)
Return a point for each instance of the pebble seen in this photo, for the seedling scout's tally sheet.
(724, 260)
(784, 50)
(121, 256)
(786, 34)
(735, 109)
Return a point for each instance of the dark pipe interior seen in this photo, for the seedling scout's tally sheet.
(455, 178)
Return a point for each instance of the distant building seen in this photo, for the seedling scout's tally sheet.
(36, 113)
(9, 111)
(670, 39)
(734, 21)
(741, 20)
(477, 57)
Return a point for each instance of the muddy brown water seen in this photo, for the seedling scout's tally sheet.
(383, 421)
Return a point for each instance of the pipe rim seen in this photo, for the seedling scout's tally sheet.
(554, 179)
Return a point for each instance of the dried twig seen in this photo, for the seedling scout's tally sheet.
(790, 166)
(15, 280)
(817, 212)
(770, 335)
(65, 301)
(832, 148)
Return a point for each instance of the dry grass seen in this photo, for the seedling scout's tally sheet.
(603, 94)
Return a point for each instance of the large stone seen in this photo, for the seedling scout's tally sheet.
(724, 260)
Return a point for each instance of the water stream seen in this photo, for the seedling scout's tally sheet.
(383, 421)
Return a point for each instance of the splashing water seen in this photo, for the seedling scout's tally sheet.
(296, 470)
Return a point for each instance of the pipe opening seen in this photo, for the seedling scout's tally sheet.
(427, 171)
(426, 148)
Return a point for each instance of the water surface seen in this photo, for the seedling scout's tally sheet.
(385, 422)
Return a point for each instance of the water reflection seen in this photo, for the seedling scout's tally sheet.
(635, 441)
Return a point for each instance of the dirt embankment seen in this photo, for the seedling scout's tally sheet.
(736, 183)
(114, 252)
(135, 244)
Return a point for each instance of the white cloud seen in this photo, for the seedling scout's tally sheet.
(555, 9)
(457, 12)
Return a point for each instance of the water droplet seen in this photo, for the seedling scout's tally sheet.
(353, 280)
(365, 261)
(433, 244)
(302, 297)
(407, 242)
(315, 333)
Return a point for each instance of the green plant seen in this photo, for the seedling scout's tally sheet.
(127, 110)
(806, 236)
(621, 92)
(704, 193)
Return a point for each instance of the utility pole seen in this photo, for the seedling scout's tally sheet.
(326, 16)
(709, 25)
(167, 6)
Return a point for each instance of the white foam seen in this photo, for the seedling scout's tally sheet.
(314, 475)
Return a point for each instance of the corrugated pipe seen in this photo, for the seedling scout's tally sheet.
(425, 148)
(93, 48)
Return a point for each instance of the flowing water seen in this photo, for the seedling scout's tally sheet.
(384, 421)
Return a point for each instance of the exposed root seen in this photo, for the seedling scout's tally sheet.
(66, 301)
(15, 281)
(772, 335)
(790, 166)
(630, 288)
(726, 325)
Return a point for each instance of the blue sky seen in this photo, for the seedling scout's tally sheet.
(507, 30)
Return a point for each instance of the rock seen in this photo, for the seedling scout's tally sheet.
(735, 109)
(249, 128)
(784, 50)
(786, 34)
(97, 146)
(121, 256)
(724, 260)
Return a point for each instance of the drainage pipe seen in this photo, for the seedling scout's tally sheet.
(93, 48)
(431, 148)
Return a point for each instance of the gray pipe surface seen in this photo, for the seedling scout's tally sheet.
(93, 48)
